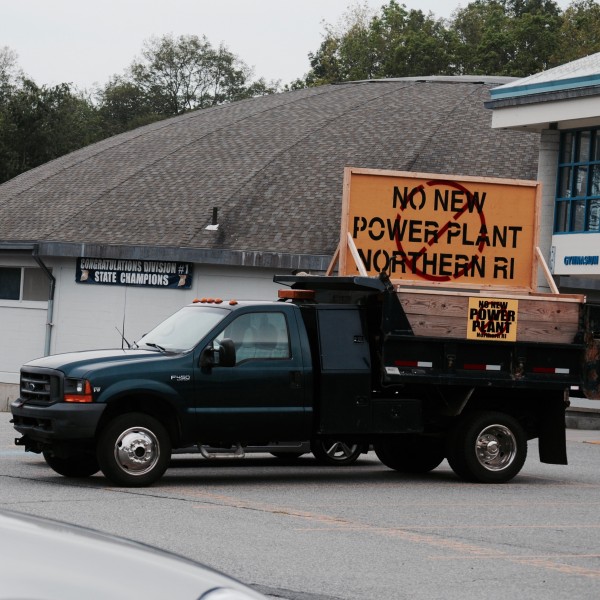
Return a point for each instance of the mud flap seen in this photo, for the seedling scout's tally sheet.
(552, 441)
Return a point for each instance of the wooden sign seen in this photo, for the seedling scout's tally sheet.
(492, 319)
(440, 230)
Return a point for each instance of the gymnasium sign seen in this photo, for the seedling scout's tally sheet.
(440, 229)
(147, 273)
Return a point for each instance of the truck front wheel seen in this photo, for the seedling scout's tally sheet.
(77, 465)
(487, 447)
(410, 453)
(134, 450)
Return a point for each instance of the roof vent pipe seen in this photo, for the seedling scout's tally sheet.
(214, 225)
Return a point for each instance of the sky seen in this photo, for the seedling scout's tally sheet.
(86, 42)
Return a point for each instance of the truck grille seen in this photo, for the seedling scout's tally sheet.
(40, 386)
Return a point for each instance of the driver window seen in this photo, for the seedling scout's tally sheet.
(258, 336)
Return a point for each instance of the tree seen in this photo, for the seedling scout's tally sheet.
(10, 71)
(122, 105)
(481, 29)
(185, 73)
(38, 124)
(396, 43)
(487, 37)
(579, 33)
(506, 37)
(412, 43)
(175, 75)
(347, 52)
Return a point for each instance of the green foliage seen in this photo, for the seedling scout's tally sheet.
(175, 75)
(38, 124)
(579, 33)
(506, 37)
(123, 106)
(487, 37)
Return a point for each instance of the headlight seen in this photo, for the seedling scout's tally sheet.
(78, 390)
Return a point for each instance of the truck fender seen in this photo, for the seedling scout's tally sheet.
(138, 387)
(162, 402)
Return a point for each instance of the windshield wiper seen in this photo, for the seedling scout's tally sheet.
(157, 346)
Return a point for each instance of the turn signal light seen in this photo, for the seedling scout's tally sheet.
(81, 393)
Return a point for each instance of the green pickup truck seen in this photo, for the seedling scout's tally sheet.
(334, 358)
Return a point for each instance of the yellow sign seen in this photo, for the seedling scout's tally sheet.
(440, 229)
(492, 319)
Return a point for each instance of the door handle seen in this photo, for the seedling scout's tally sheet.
(295, 379)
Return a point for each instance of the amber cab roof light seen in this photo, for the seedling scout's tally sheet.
(210, 301)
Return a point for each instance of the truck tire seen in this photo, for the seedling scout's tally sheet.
(487, 447)
(76, 466)
(410, 453)
(134, 450)
(334, 452)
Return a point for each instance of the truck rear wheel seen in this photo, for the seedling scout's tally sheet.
(410, 453)
(77, 466)
(487, 447)
(134, 450)
(334, 452)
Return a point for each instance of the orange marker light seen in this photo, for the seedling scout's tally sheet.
(296, 294)
(85, 396)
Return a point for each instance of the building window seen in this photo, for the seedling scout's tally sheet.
(578, 189)
(23, 283)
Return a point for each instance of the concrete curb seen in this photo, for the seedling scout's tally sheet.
(583, 418)
(583, 414)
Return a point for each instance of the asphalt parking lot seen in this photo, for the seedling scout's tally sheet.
(306, 532)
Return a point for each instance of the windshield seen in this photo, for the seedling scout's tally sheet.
(183, 330)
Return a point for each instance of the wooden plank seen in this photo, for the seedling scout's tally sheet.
(419, 175)
(333, 262)
(456, 306)
(428, 304)
(356, 256)
(541, 317)
(417, 289)
(543, 310)
(546, 270)
(527, 331)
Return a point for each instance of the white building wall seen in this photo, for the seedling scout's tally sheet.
(23, 327)
(22, 334)
(547, 174)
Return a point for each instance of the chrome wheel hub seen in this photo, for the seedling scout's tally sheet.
(137, 450)
(496, 447)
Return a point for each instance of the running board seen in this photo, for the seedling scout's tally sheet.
(209, 452)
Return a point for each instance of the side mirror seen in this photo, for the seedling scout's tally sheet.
(226, 353)
(222, 356)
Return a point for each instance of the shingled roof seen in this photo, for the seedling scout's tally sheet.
(273, 166)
